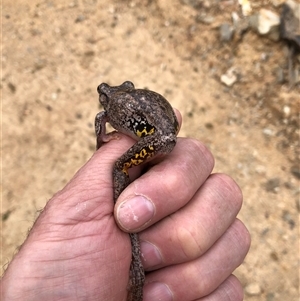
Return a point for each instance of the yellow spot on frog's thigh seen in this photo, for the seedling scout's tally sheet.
(142, 154)
(138, 159)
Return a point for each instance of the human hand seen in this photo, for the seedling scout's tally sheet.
(191, 240)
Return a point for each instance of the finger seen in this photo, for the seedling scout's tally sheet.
(192, 230)
(200, 277)
(165, 187)
(93, 182)
(230, 290)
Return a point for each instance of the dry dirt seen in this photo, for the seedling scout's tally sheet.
(55, 54)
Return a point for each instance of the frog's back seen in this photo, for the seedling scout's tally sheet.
(156, 109)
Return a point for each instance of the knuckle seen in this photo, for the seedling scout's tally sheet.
(228, 189)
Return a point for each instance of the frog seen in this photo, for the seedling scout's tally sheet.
(148, 118)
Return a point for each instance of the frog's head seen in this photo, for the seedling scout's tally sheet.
(107, 92)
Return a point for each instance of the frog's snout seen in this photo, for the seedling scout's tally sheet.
(102, 88)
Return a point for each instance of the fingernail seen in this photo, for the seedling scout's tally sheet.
(135, 212)
(157, 291)
(151, 255)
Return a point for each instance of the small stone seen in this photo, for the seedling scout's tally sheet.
(286, 110)
(226, 32)
(205, 19)
(272, 185)
(266, 23)
(280, 75)
(253, 289)
(240, 25)
(287, 217)
(80, 18)
(253, 22)
(246, 7)
(209, 126)
(260, 169)
(54, 96)
(295, 6)
(258, 94)
(267, 20)
(12, 87)
(290, 22)
(229, 78)
(268, 132)
(295, 170)
(270, 297)
(277, 3)
(264, 56)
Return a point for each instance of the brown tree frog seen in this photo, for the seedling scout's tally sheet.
(147, 117)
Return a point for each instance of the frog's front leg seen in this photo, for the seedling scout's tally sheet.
(100, 129)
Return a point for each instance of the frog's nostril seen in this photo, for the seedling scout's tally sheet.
(100, 88)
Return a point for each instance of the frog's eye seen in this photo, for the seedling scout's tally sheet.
(127, 86)
(103, 99)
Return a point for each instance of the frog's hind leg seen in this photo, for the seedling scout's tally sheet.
(137, 273)
(143, 151)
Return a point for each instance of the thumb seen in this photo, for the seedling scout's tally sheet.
(90, 192)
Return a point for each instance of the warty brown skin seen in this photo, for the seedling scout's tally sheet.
(149, 118)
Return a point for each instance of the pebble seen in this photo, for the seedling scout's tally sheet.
(270, 297)
(260, 169)
(246, 7)
(226, 32)
(280, 75)
(272, 185)
(286, 110)
(240, 25)
(80, 18)
(277, 3)
(287, 217)
(268, 132)
(264, 56)
(266, 22)
(290, 22)
(205, 19)
(295, 170)
(253, 289)
(12, 87)
(229, 78)
(295, 6)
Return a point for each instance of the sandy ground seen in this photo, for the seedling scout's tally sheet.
(55, 54)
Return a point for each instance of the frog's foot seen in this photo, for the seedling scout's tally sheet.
(137, 273)
(114, 135)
